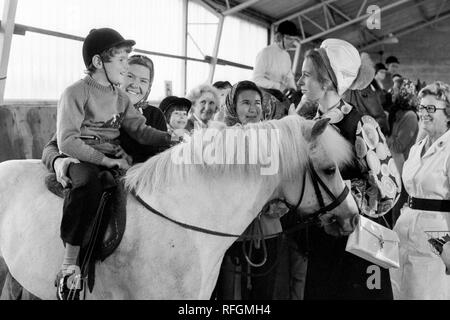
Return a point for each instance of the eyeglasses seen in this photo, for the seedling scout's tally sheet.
(430, 108)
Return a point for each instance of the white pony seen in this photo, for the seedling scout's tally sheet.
(158, 259)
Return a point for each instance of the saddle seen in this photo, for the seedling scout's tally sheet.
(112, 225)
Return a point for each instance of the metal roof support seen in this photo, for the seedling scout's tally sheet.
(208, 7)
(409, 29)
(184, 45)
(339, 12)
(239, 7)
(296, 59)
(352, 21)
(330, 17)
(6, 34)
(212, 67)
(363, 5)
(313, 22)
(440, 8)
(300, 22)
(325, 16)
(302, 12)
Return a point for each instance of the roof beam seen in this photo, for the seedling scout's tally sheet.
(363, 5)
(352, 21)
(440, 8)
(313, 22)
(409, 29)
(6, 34)
(208, 6)
(304, 11)
(213, 63)
(339, 12)
(239, 7)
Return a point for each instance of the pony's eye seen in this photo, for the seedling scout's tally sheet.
(330, 171)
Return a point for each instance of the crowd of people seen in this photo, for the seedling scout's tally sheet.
(105, 124)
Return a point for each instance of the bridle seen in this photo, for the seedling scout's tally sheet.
(311, 218)
(317, 183)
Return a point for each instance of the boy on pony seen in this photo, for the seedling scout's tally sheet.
(90, 115)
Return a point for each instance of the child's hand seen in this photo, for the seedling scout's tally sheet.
(115, 163)
(177, 134)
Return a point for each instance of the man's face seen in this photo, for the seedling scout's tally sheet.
(381, 74)
(290, 42)
(393, 67)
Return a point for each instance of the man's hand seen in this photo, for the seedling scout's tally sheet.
(61, 165)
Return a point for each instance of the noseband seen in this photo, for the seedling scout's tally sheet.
(317, 183)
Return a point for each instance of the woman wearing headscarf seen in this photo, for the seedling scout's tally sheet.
(426, 176)
(242, 106)
(332, 273)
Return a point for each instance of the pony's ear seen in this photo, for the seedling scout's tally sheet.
(318, 128)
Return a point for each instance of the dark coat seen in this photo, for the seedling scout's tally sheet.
(140, 153)
(332, 272)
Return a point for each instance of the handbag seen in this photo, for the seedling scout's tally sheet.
(375, 243)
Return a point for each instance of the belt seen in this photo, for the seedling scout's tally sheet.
(429, 204)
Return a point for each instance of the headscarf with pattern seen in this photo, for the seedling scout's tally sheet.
(231, 118)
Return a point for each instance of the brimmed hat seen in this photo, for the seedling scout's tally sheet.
(172, 101)
(99, 40)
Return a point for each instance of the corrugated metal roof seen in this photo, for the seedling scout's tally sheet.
(334, 13)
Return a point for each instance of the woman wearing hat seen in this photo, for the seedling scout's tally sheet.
(426, 176)
(333, 273)
(243, 105)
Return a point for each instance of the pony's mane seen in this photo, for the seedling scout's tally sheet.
(161, 170)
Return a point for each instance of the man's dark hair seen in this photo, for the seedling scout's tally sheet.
(222, 85)
(392, 59)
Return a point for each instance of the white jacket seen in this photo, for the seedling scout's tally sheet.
(422, 272)
(273, 69)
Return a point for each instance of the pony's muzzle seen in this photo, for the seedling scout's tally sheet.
(349, 225)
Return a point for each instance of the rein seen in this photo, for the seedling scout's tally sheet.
(313, 218)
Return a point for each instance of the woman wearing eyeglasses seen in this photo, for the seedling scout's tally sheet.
(426, 176)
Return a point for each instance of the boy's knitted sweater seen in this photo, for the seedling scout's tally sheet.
(89, 109)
